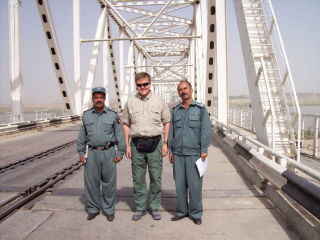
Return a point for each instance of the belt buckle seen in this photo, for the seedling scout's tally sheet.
(100, 148)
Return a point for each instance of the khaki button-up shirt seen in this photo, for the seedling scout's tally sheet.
(146, 117)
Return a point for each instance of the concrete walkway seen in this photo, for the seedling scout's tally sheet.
(233, 210)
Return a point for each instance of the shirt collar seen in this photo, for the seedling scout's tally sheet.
(104, 110)
(147, 97)
(192, 103)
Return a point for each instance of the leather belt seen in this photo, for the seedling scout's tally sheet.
(109, 145)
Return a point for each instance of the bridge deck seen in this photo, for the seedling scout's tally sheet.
(233, 209)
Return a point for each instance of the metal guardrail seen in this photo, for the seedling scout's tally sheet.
(242, 117)
(275, 157)
(28, 125)
(315, 117)
(275, 168)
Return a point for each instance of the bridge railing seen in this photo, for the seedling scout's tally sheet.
(297, 180)
(242, 117)
(279, 159)
(310, 132)
(29, 125)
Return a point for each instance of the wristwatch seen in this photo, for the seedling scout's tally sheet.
(165, 142)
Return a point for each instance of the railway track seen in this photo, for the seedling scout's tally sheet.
(9, 166)
(36, 190)
(33, 189)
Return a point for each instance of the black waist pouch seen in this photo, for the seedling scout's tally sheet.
(146, 144)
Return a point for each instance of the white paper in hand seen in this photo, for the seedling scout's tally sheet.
(201, 165)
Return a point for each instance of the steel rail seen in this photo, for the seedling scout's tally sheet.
(6, 167)
(34, 191)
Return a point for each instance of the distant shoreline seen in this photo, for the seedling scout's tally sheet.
(234, 101)
(34, 107)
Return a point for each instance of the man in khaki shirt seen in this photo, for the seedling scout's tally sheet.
(146, 116)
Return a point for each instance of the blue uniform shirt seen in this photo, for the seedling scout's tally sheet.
(101, 128)
(190, 130)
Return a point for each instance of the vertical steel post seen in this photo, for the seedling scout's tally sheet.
(76, 57)
(121, 67)
(222, 68)
(15, 60)
(211, 57)
(106, 62)
(315, 136)
(94, 59)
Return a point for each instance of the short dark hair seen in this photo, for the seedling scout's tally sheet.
(142, 75)
(182, 81)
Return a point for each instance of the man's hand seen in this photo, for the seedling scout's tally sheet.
(128, 152)
(117, 159)
(83, 159)
(164, 150)
(171, 158)
(203, 156)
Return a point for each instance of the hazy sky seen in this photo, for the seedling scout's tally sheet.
(299, 22)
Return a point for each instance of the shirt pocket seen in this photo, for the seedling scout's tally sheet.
(88, 124)
(194, 121)
(107, 126)
(177, 122)
(134, 116)
(155, 115)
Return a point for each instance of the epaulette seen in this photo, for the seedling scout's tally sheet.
(112, 110)
(87, 110)
(176, 105)
(201, 105)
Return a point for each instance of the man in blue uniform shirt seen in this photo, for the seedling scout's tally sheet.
(101, 131)
(189, 139)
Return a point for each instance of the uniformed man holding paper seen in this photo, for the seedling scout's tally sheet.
(102, 132)
(189, 139)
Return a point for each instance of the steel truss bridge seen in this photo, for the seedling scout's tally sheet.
(175, 40)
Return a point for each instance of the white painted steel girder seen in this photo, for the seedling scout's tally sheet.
(94, 60)
(55, 54)
(255, 97)
(113, 65)
(121, 66)
(15, 61)
(267, 71)
(159, 24)
(222, 69)
(129, 76)
(211, 56)
(106, 63)
(77, 58)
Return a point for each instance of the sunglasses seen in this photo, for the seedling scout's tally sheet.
(142, 84)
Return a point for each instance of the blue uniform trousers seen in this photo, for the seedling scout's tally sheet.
(186, 177)
(100, 168)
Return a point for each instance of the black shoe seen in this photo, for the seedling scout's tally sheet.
(177, 217)
(92, 215)
(197, 221)
(110, 217)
